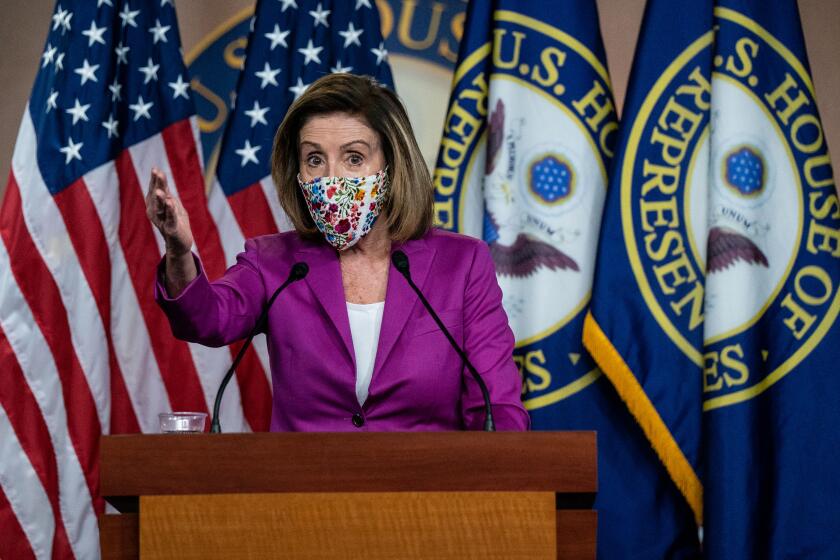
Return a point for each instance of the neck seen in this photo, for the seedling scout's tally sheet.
(376, 244)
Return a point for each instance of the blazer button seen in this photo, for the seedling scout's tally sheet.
(358, 421)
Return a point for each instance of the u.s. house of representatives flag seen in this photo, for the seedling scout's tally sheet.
(523, 163)
(84, 350)
(716, 295)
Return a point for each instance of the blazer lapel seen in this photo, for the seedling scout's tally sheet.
(324, 279)
(400, 299)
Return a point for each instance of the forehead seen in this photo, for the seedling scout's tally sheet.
(337, 128)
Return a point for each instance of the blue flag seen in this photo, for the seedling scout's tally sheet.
(716, 294)
(524, 161)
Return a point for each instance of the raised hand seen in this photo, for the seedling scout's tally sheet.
(168, 215)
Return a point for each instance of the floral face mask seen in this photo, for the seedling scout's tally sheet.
(345, 208)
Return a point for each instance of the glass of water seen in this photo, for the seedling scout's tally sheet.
(182, 422)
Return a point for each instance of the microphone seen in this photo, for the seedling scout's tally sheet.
(400, 261)
(298, 272)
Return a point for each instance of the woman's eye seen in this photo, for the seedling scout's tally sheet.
(313, 160)
(355, 159)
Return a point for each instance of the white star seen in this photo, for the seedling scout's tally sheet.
(165, 2)
(51, 104)
(248, 153)
(320, 15)
(59, 61)
(159, 32)
(121, 53)
(87, 72)
(251, 24)
(339, 69)
(48, 55)
(111, 126)
(351, 36)
(71, 151)
(65, 22)
(310, 53)
(267, 75)
(150, 71)
(287, 3)
(78, 111)
(360, 3)
(58, 17)
(298, 88)
(115, 88)
(180, 88)
(277, 37)
(127, 16)
(381, 53)
(100, 2)
(141, 109)
(94, 34)
(257, 114)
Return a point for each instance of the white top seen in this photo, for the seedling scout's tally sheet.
(365, 322)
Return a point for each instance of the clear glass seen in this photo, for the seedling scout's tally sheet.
(182, 422)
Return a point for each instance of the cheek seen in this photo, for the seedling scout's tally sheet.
(374, 164)
(378, 162)
(370, 166)
(308, 172)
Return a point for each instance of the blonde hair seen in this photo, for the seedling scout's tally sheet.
(409, 208)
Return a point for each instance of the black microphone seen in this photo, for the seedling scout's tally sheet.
(400, 261)
(298, 272)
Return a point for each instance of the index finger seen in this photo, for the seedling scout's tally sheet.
(157, 181)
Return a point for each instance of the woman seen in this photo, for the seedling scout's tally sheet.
(350, 346)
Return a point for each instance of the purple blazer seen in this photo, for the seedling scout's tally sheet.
(418, 383)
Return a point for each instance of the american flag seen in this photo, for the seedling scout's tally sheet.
(84, 350)
(292, 43)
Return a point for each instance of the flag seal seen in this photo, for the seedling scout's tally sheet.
(523, 163)
(733, 233)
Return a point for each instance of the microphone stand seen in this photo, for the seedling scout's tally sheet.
(400, 261)
(299, 271)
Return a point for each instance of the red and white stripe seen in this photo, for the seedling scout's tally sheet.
(84, 349)
(251, 212)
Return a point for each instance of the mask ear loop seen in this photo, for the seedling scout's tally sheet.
(385, 205)
(305, 200)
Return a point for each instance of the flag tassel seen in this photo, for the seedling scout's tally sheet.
(628, 388)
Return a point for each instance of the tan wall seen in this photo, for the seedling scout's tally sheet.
(25, 26)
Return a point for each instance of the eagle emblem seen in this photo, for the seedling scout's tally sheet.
(551, 180)
(727, 246)
(744, 175)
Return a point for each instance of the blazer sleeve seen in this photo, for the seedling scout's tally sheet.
(488, 342)
(220, 312)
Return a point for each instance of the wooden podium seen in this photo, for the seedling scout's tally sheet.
(350, 495)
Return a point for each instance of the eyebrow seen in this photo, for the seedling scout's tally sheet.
(348, 144)
(313, 144)
(343, 146)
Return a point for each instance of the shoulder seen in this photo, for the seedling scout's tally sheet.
(451, 243)
(459, 254)
(275, 247)
(454, 247)
(276, 244)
